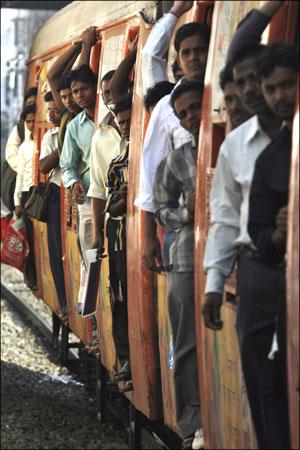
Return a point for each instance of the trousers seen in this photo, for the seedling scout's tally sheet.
(261, 306)
(85, 229)
(118, 286)
(182, 317)
(54, 245)
(30, 270)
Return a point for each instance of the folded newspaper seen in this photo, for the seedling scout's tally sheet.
(89, 282)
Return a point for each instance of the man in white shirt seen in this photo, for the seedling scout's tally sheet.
(164, 132)
(23, 184)
(49, 162)
(19, 132)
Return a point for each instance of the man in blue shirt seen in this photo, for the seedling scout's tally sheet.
(75, 155)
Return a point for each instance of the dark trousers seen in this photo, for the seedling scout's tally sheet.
(54, 245)
(260, 309)
(118, 286)
(29, 271)
(182, 317)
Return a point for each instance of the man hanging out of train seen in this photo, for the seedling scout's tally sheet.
(278, 70)
(49, 161)
(116, 233)
(24, 161)
(176, 177)
(234, 108)
(164, 132)
(107, 144)
(64, 101)
(75, 156)
(18, 134)
(228, 236)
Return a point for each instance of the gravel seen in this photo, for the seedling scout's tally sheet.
(43, 406)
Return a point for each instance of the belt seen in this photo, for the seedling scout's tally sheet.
(248, 252)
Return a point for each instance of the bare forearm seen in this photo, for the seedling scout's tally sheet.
(60, 68)
(117, 209)
(119, 81)
(85, 54)
(150, 226)
(49, 162)
(60, 65)
(98, 207)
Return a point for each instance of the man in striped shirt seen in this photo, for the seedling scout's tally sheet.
(176, 178)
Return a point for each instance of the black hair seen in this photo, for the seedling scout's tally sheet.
(63, 83)
(48, 97)
(175, 67)
(226, 76)
(252, 51)
(108, 76)
(186, 86)
(192, 29)
(30, 109)
(30, 93)
(123, 103)
(84, 74)
(277, 55)
(155, 93)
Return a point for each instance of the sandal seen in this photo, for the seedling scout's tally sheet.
(188, 441)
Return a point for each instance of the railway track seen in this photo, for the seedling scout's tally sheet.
(151, 435)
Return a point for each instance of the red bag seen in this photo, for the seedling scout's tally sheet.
(14, 244)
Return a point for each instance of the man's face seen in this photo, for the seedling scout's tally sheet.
(248, 86)
(29, 120)
(68, 100)
(279, 90)
(124, 123)
(192, 57)
(105, 92)
(84, 94)
(53, 114)
(234, 108)
(30, 100)
(188, 109)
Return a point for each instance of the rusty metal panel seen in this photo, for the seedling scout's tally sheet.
(166, 354)
(104, 319)
(225, 413)
(293, 288)
(81, 327)
(142, 313)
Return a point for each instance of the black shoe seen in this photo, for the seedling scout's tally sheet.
(124, 374)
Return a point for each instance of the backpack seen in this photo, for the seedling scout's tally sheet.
(8, 175)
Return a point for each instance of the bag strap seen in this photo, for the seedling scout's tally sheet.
(21, 130)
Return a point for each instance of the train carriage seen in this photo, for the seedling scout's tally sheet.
(225, 413)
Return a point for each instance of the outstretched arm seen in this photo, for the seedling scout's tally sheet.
(89, 38)
(119, 81)
(154, 64)
(249, 31)
(64, 63)
(60, 68)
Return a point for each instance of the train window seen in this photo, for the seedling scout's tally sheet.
(111, 55)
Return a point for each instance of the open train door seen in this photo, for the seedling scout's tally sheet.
(292, 278)
(225, 413)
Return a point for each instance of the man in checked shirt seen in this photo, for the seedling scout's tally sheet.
(176, 177)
